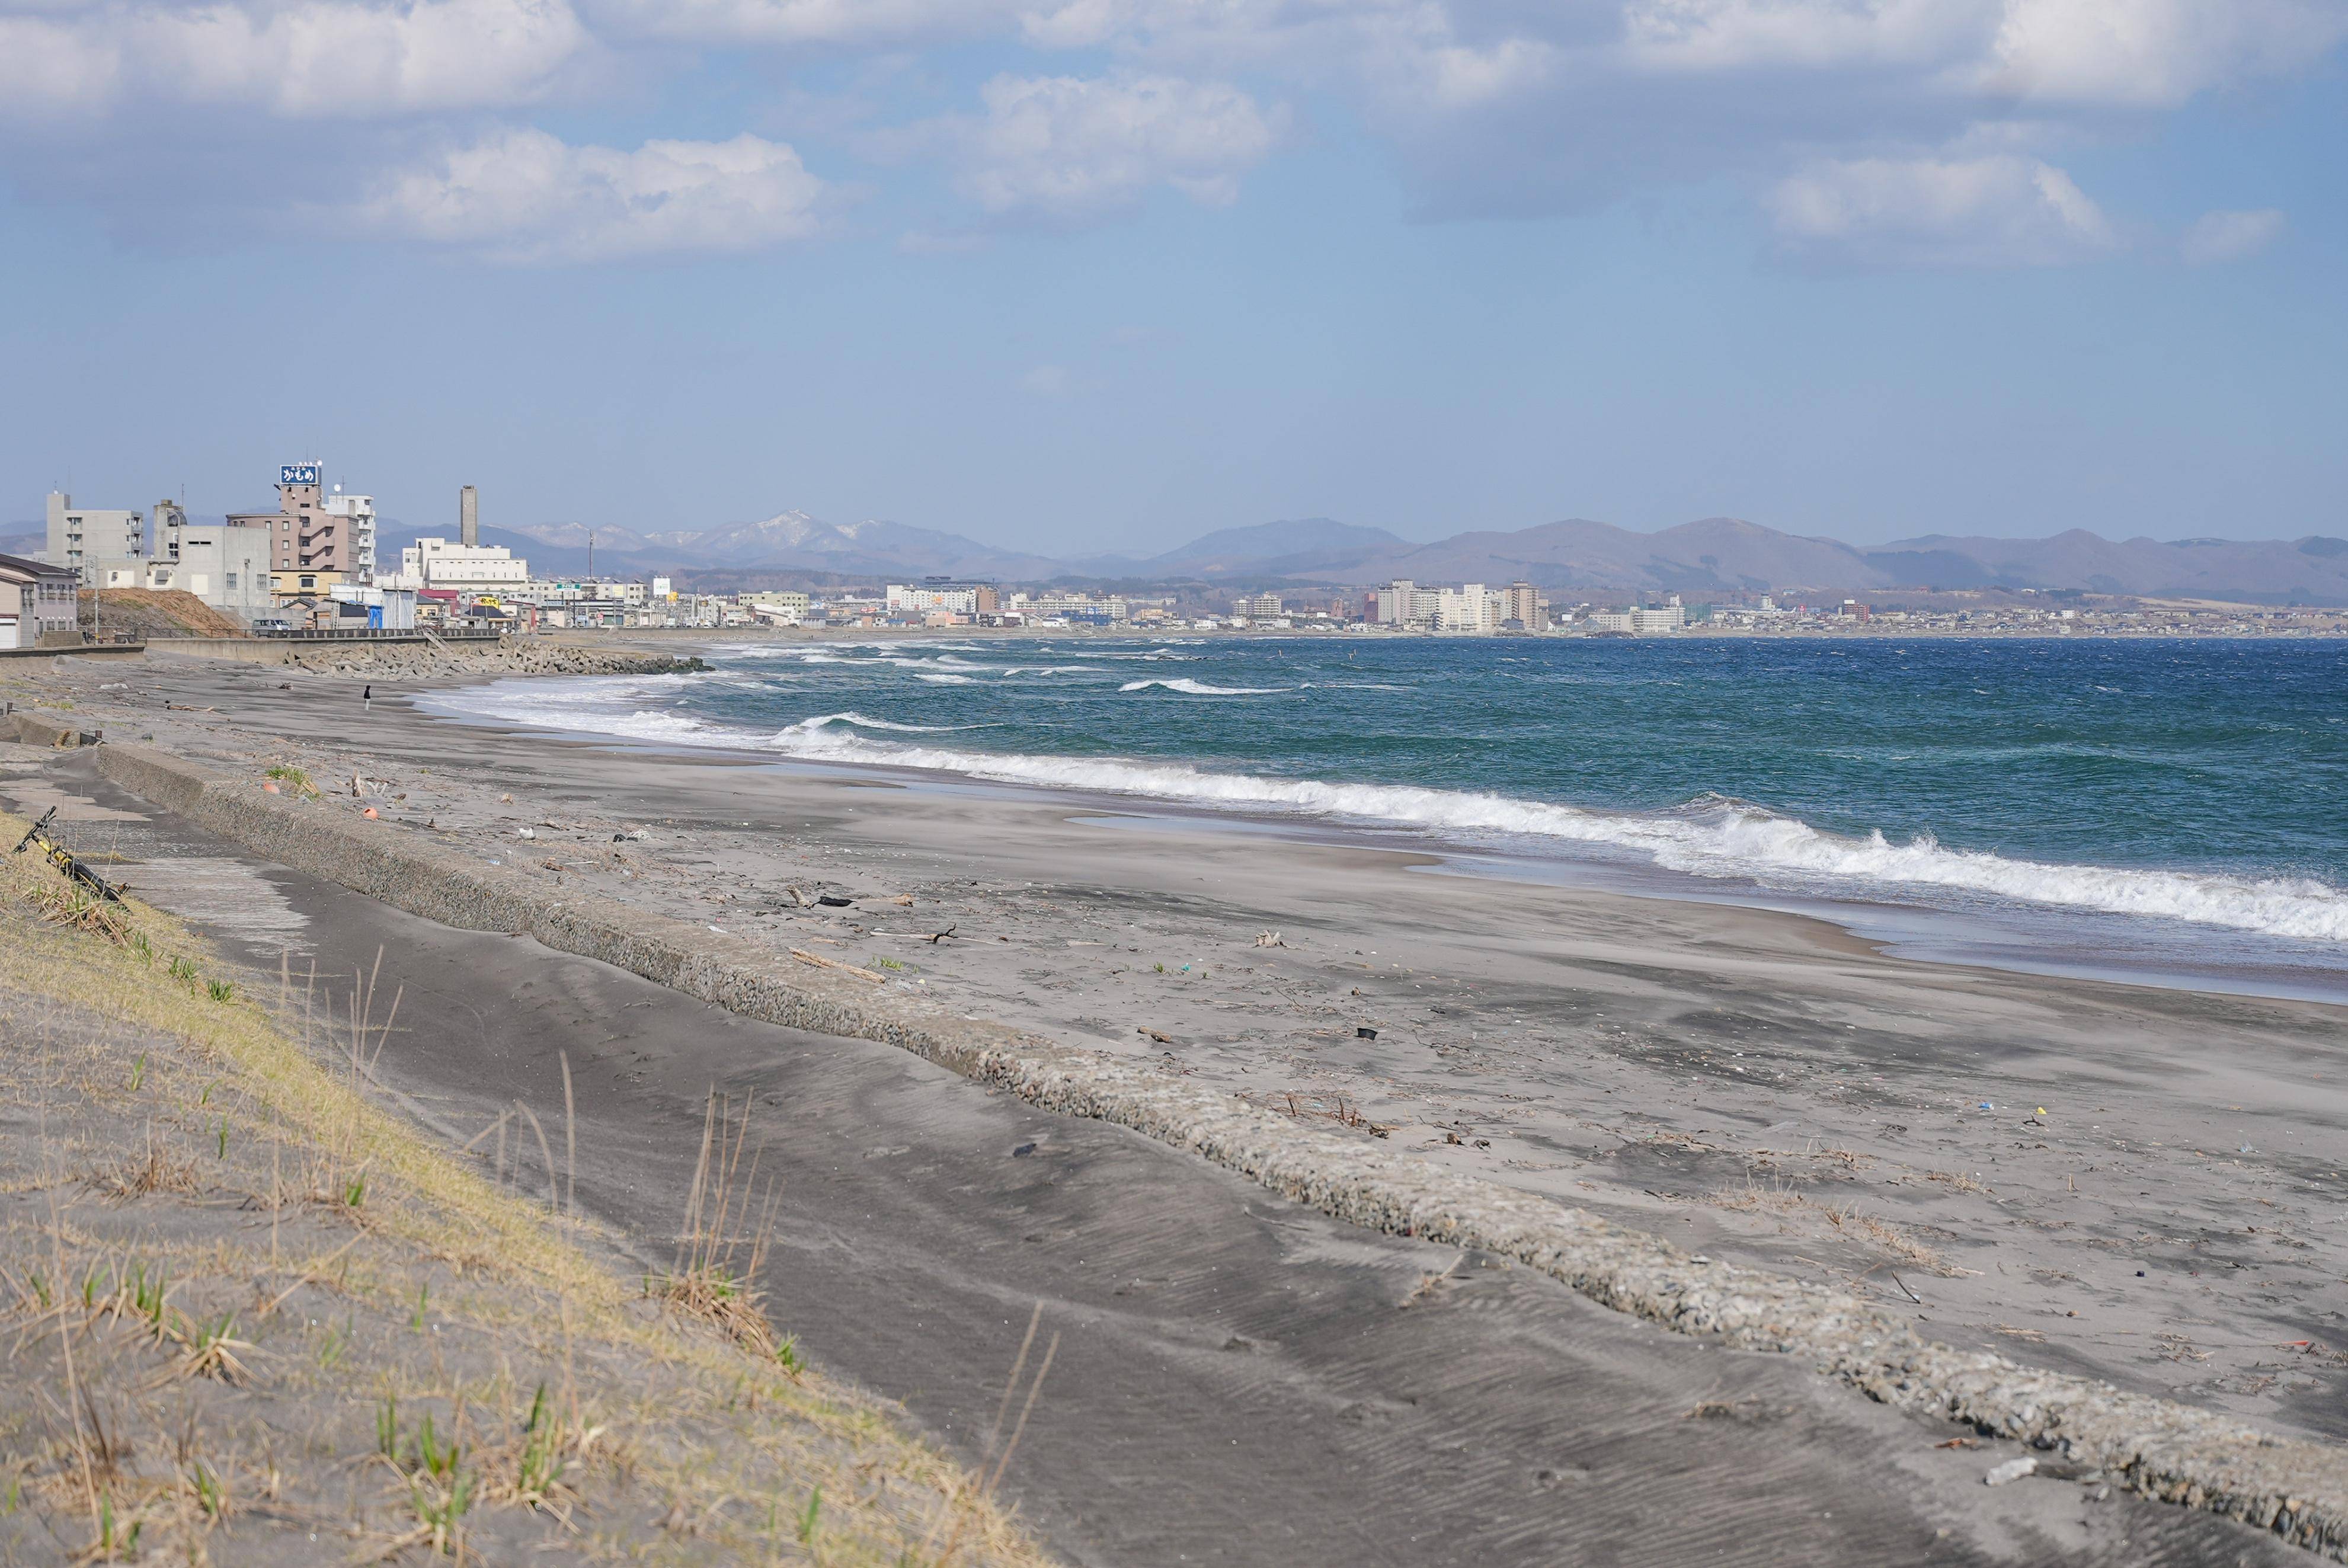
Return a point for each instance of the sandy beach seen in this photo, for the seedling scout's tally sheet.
(2137, 1182)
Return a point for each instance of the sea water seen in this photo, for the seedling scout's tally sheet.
(2174, 804)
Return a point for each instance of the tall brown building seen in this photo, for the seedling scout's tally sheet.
(315, 531)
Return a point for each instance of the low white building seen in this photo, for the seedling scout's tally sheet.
(448, 564)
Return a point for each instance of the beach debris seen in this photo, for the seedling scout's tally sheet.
(1269, 939)
(820, 962)
(505, 800)
(2011, 1469)
(905, 899)
(370, 814)
(1363, 1032)
(525, 832)
(833, 901)
(1986, 1106)
(1162, 1038)
(269, 787)
(1024, 1150)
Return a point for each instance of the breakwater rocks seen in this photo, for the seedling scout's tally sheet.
(415, 661)
(2083, 1428)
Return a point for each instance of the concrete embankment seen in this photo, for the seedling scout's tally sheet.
(2298, 1490)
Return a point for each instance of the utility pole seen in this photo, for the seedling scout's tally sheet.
(590, 555)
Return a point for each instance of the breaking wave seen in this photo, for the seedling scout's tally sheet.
(1711, 836)
(1200, 688)
(864, 721)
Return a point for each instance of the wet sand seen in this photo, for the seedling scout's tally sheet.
(1760, 1085)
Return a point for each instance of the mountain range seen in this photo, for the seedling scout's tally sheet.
(1576, 557)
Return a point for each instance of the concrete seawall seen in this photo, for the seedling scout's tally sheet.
(2297, 1489)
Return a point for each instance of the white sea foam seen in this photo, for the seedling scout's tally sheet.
(863, 721)
(944, 679)
(1711, 837)
(1200, 688)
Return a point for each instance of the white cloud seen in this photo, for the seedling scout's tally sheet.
(2230, 236)
(789, 22)
(1047, 380)
(1745, 34)
(2153, 53)
(1979, 211)
(525, 196)
(1068, 148)
(313, 58)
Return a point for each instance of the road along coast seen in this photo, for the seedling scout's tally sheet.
(2157, 1447)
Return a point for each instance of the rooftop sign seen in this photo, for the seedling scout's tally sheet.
(298, 474)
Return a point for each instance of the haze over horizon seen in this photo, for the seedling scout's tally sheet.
(1082, 278)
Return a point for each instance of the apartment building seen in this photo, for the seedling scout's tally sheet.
(325, 533)
(84, 538)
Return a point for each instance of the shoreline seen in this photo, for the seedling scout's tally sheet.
(2005, 933)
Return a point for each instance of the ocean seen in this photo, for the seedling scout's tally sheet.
(2164, 808)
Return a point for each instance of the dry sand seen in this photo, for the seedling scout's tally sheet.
(1760, 1085)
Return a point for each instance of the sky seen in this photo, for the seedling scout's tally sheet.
(1085, 275)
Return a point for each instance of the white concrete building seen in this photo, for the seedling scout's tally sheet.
(358, 514)
(448, 564)
(1470, 608)
(82, 537)
(227, 568)
(903, 598)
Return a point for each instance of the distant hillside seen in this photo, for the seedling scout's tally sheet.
(25, 544)
(1576, 556)
(1313, 544)
(2313, 570)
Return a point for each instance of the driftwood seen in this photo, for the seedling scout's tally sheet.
(820, 962)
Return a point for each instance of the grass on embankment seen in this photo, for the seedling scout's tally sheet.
(249, 1315)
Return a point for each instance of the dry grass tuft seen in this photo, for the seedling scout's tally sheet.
(722, 1248)
(1843, 1219)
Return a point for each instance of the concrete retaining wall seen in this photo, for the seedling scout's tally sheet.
(245, 650)
(78, 650)
(53, 729)
(2297, 1489)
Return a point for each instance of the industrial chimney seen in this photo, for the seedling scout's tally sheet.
(469, 516)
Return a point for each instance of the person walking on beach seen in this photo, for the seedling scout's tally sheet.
(367, 699)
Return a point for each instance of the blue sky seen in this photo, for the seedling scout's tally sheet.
(1095, 274)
